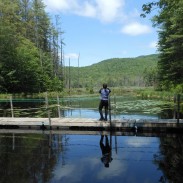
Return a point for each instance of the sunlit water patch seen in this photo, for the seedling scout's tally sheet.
(94, 114)
(131, 160)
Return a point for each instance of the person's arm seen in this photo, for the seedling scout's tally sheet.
(100, 90)
(109, 90)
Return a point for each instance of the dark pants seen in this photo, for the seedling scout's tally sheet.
(103, 103)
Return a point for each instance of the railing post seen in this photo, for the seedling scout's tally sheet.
(174, 111)
(58, 104)
(110, 112)
(13, 143)
(114, 106)
(50, 145)
(178, 108)
(47, 107)
(11, 104)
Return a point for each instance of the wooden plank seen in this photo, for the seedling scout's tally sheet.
(89, 123)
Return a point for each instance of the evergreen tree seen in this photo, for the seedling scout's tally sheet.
(26, 51)
(169, 21)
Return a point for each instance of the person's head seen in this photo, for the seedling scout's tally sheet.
(104, 85)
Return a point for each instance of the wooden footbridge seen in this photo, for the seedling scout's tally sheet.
(91, 124)
(85, 124)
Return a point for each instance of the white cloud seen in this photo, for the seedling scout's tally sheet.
(64, 171)
(109, 10)
(90, 163)
(135, 29)
(54, 5)
(116, 168)
(64, 6)
(104, 10)
(138, 141)
(87, 10)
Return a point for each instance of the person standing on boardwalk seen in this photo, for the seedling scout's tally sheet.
(104, 101)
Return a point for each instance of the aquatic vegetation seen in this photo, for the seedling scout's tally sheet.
(143, 106)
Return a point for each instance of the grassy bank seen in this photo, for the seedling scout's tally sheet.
(141, 92)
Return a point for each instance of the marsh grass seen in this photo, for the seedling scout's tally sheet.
(143, 92)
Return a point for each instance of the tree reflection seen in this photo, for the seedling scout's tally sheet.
(171, 159)
(28, 157)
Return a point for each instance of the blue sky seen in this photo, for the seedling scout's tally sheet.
(103, 29)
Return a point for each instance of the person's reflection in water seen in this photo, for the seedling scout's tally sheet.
(106, 151)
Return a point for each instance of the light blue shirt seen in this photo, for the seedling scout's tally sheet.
(104, 93)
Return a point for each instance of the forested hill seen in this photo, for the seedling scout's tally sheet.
(139, 71)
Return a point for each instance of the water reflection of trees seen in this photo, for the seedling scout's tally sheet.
(28, 158)
(171, 159)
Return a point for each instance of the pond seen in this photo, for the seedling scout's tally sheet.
(73, 156)
(51, 158)
(87, 107)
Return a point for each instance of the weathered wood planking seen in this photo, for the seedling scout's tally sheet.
(90, 124)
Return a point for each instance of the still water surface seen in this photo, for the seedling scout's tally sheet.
(87, 107)
(63, 158)
(44, 157)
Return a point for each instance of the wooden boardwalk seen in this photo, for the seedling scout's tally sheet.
(91, 124)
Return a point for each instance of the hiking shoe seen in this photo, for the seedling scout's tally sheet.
(101, 119)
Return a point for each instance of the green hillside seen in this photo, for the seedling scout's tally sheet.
(139, 71)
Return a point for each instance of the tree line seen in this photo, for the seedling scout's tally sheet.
(30, 48)
(31, 51)
(139, 72)
(169, 21)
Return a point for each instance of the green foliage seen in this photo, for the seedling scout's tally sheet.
(28, 60)
(143, 106)
(169, 21)
(56, 85)
(178, 89)
(140, 71)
